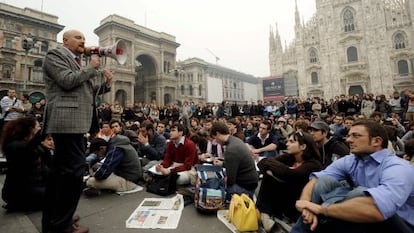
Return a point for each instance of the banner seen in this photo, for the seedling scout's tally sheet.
(273, 88)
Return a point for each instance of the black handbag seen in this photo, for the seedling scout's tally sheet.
(162, 185)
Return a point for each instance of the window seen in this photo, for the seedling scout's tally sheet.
(9, 43)
(182, 90)
(399, 41)
(7, 71)
(402, 67)
(349, 25)
(190, 89)
(37, 71)
(313, 57)
(44, 47)
(352, 54)
(200, 88)
(314, 78)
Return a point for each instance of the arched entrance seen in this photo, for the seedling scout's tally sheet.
(357, 89)
(145, 80)
(167, 99)
(121, 97)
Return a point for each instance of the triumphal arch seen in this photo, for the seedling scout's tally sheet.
(148, 74)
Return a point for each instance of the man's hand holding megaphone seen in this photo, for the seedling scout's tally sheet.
(95, 62)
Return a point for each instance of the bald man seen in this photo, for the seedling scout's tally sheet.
(70, 112)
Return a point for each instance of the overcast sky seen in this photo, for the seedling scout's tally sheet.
(236, 31)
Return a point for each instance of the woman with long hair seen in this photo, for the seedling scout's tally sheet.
(284, 177)
(24, 185)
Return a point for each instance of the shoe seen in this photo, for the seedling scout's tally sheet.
(267, 222)
(75, 228)
(91, 192)
(136, 189)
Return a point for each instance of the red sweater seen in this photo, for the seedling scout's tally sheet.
(186, 154)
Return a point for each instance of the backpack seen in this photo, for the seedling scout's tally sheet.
(210, 188)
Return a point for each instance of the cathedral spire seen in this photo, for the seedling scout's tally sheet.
(297, 16)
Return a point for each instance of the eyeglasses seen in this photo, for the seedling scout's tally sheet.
(355, 135)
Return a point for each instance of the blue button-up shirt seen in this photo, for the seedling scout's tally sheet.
(388, 179)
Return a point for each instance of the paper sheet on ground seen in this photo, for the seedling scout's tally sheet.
(163, 213)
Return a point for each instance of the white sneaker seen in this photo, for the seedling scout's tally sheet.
(136, 189)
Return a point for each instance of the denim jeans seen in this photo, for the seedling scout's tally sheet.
(331, 191)
(239, 190)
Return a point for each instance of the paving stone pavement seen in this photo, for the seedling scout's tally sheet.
(107, 214)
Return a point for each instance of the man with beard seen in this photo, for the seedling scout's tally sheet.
(377, 197)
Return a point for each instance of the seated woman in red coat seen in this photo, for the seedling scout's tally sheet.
(284, 177)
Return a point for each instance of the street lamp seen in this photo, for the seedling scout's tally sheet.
(27, 44)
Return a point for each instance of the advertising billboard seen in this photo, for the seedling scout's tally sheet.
(273, 88)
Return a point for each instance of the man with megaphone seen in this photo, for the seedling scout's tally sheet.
(70, 95)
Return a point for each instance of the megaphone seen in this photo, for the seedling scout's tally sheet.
(116, 51)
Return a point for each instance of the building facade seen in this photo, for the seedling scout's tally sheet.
(25, 37)
(151, 73)
(349, 47)
(211, 83)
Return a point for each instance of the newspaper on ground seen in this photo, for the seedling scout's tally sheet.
(162, 213)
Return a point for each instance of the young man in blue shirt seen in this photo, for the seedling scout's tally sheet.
(378, 197)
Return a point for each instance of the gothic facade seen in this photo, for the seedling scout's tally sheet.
(348, 47)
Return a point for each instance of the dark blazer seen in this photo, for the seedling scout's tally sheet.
(70, 93)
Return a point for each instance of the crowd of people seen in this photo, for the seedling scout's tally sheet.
(325, 166)
(283, 147)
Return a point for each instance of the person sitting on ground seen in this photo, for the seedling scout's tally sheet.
(250, 130)
(24, 186)
(180, 156)
(214, 149)
(377, 197)
(330, 148)
(162, 129)
(282, 130)
(301, 126)
(105, 132)
(120, 171)
(284, 177)
(240, 167)
(119, 129)
(151, 147)
(97, 151)
(263, 144)
(235, 129)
